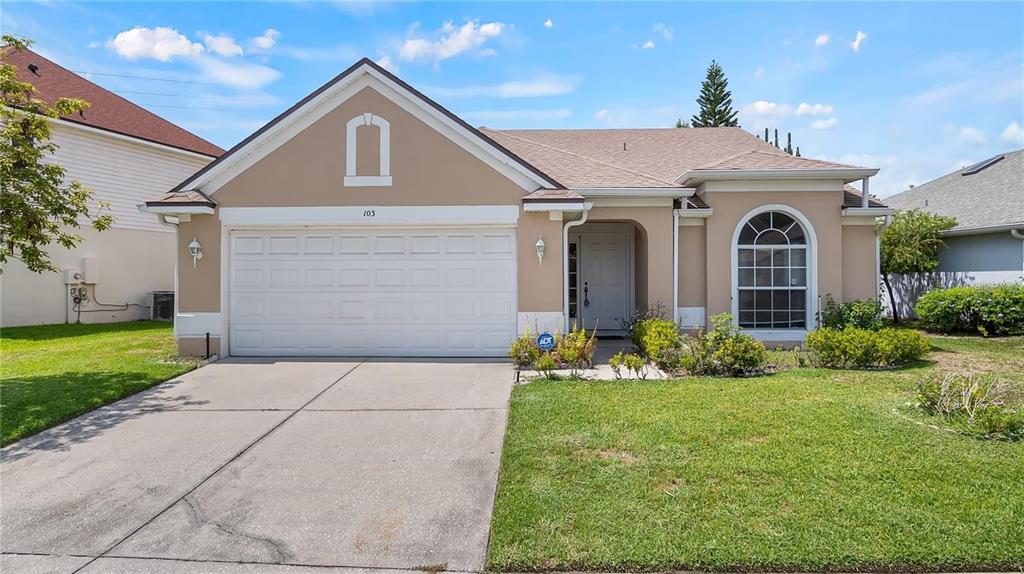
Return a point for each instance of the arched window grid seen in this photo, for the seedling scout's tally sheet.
(772, 272)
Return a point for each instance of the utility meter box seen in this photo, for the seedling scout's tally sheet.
(71, 277)
(90, 270)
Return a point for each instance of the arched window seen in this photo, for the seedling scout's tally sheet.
(383, 175)
(772, 272)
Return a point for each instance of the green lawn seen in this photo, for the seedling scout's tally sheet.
(803, 470)
(52, 373)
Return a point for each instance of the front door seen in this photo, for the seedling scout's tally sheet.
(604, 295)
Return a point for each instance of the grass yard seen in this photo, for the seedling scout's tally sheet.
(52, 373)
(802, 470)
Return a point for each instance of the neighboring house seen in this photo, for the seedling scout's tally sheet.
(368, 220)
(124, 154)
(987, 244)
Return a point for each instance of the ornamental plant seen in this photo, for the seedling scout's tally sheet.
(991, 310)
(855, 348)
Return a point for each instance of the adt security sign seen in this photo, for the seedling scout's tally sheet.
(546, 341)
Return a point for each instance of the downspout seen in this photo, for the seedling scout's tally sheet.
(675, 265)
(1017, 234)
(565, 262)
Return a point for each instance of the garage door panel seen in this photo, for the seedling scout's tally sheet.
(423, 292)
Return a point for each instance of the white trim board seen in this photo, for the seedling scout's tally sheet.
(371, 215)
(317, 107)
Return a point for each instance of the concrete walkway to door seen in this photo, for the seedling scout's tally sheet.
(252, 465)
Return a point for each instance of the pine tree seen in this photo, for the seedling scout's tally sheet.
(715, 101)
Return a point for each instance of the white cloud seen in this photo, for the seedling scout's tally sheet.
(666, 31)
(966, 135)
(550, 85)
(519, 115)
(387, 63)
(855, 44)
(95, 44)
(222, 45)
(264, 42)
(825, 124)
(238, 74)
(548, 23)
(1013, 134)
(763, 108)
(339, 53)
(805, 109)
(601, 114)
(821, 40)
(759, 73)
(649, 44)
(451, 42)
(156, 43)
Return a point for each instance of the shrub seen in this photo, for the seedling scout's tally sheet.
(545, 364)
(986, 309)
(636, 365)
(723, 351)
(862, 313)
(977, 402)
(524, 350)
(616, 363)
(854, 348)
(633, 327)
(576, 348)
(658, 337)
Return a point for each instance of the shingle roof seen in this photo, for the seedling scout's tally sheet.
(991, 197)
(107, 110)
(191, 197)
(643, 157)
(852, 198)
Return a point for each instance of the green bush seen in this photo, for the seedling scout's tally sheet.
(987, 309)
(545, 365)
(980, 404)
(854, 348)
(862, 313)
(658, 337)
(576, 349)
(635, 325)
(723, 351)
(524, 350)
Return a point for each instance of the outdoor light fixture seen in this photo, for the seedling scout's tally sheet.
(196, 251)
(540, 250)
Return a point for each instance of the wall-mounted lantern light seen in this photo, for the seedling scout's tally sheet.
(540, 250)
(196, 251)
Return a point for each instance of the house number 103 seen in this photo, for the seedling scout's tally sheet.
(369, 213)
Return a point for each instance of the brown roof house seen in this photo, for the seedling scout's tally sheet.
(369, 220)
(124, 154)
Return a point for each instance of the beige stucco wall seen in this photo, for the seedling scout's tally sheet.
(132, 263)
(692, 266)
(426, 168)
(821, 208)
(654, 255)
(859, 278)
(196, 346)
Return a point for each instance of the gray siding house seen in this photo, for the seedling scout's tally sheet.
(987, 245)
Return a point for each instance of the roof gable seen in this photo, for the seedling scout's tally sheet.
(107, 110)
(327, 97)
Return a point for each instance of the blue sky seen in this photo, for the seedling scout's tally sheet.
(928, 88)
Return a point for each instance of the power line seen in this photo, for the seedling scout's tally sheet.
(188, 108)
(219, 98)
(144, 78)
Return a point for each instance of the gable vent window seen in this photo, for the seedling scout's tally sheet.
(356, 126)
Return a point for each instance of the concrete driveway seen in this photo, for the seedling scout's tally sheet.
(266, 466)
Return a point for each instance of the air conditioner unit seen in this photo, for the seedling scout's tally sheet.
(161, 305)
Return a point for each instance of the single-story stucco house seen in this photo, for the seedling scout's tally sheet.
(369, 220)
(987, 244)
(119, 151)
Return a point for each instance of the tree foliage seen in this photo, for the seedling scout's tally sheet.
(39, 205)
(715, 101)
(911, 244)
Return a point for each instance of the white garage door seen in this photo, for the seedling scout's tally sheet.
(407, 292)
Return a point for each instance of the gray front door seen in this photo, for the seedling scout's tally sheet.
(604, 290)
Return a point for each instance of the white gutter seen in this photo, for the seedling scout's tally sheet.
(675, 265)
(637, 192)
(696, 213)
(171, 209)
(847, 174)
(565, 262)
(870, 211)
(554, 206)
(979, 230)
